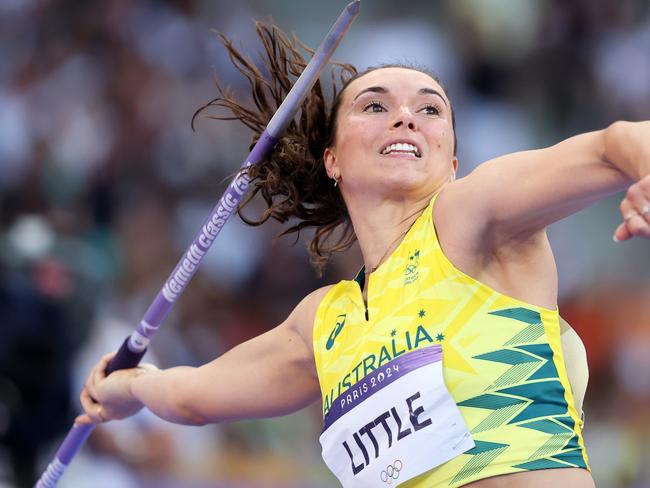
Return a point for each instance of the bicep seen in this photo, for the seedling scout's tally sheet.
(522, 193)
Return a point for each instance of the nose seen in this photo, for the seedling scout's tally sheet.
(404, 117)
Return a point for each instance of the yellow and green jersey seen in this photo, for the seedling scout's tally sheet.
(502, 360)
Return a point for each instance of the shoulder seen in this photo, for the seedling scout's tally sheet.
(461, 227)
(520, 266)
(302, 318)
(309, 305)
(471, 240)
(465, 217)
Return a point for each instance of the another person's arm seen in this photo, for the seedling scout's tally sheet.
(272, 374)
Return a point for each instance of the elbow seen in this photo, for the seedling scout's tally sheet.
(612, 140)
(175, 395)
(193, 418)
(184, 406)
(186, 410)
(616, 149)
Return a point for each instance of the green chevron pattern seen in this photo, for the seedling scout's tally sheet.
(529, 395)
(521, 314)
(482, 455)
(522, 364)
(531, 333)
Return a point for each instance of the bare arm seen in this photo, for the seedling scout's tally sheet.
(272, 374)
(518, 195)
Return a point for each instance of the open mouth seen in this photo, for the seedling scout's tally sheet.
(401, 148)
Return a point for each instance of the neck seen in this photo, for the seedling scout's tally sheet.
(381, 226)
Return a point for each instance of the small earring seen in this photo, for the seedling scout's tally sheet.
(336, 181)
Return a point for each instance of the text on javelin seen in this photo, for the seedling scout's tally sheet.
(185, 269)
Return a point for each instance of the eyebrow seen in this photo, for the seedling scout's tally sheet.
(383, 90)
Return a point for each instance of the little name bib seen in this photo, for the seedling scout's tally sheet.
(395, 424)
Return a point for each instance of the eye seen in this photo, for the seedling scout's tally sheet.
(431, 109)
(374, 106)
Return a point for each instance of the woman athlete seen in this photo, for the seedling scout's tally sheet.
(441, 363)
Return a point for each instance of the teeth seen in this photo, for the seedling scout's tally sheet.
(402, 147)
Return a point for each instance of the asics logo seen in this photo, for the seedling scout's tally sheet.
(391, 472)
(340, 322)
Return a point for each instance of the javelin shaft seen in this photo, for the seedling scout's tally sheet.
(134, 347)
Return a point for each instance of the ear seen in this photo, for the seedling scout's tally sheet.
(331, 166)
(454, 163)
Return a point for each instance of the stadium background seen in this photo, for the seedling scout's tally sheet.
(103, 183)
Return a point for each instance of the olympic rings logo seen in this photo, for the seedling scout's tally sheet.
(391, 472)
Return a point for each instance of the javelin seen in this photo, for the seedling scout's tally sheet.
(134, 347)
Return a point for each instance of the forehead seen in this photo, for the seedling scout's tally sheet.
(395, 80)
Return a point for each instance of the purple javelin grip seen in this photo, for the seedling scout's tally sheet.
(134, 347)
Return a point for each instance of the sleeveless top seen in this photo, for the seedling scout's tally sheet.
(502, 358)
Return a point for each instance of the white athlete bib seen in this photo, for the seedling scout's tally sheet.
(395, 424)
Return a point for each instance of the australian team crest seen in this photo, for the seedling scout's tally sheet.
(411, 272)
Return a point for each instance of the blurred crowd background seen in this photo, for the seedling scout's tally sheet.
(103, 184)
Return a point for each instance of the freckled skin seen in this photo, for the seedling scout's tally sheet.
(401, 113)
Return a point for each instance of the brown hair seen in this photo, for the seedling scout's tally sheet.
(292, 179)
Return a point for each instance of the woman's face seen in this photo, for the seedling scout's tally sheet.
(394, 134)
